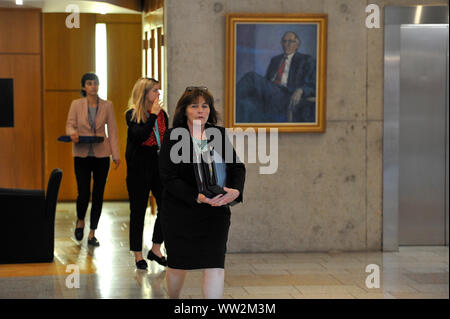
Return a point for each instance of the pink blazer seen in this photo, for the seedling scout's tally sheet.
(78, 121)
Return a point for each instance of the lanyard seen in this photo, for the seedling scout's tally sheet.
(95, 117)
(156, 131)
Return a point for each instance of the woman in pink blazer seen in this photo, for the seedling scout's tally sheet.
(87, 117)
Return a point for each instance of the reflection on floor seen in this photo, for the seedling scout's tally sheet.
(109, 271)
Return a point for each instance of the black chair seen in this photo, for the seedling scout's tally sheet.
(27, 228)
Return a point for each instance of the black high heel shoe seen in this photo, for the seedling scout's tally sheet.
(160, 260)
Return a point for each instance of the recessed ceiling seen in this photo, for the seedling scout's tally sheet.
(61, 5)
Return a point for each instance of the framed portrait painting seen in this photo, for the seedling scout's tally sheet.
(275, 71)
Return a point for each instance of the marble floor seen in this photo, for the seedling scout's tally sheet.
(108, 271)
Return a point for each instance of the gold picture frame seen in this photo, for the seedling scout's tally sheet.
(271, 87)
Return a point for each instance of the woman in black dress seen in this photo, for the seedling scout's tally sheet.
(147, 123)
(195, 227)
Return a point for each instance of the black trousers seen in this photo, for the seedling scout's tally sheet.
(87, 168)
(143, 177)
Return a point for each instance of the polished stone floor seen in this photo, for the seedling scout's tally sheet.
(108, 271)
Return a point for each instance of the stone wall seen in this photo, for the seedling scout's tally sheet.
(327, 192)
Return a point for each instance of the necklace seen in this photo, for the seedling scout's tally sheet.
(95, 116)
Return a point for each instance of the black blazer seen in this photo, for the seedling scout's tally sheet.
(302, 73)
(180, 189)
(138, 134)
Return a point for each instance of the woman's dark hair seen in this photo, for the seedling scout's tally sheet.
(86, 77)
(189, 97)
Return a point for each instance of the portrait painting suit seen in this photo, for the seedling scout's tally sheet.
(259, 99)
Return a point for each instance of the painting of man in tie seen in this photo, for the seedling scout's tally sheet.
(276, 78)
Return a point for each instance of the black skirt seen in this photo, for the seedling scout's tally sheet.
(195, 234)
(195, 237)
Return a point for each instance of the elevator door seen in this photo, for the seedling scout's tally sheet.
(422, 135)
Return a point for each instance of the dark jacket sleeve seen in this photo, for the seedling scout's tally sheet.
(304, 70)
(237, 178)
(139, 133)
(170, 176)
(235, 171)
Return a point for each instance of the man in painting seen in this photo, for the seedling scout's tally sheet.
(285, 94)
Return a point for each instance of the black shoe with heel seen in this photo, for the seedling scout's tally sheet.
(93, 242)
(160, 260)
(79, 233)
(141, 264)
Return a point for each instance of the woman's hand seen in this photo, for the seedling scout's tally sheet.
(74, 137)
(227, 198)
(116, 164)
(201, 198)
(156, 107)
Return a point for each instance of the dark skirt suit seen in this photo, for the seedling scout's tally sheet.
(195, 235)
(142, 177)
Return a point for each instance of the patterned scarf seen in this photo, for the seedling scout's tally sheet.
(161, 128)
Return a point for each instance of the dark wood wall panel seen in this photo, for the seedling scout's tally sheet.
(28, 139)
(124, 68)
(29, 150)
(69, 53)
(58, 154)
(20, 31)
(21, 146)
(119, 18)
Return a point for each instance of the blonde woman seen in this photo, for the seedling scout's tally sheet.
(147, 123)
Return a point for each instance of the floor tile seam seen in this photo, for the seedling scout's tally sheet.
(345, 287)
(323, 267)
(291, 261)
(385, 289)
(326, 272)
(368, 295)
(334, 277)
(426, 294)
(37, 277)
(274, 286)
(420, 274)
(252, 267)
(430, 285)
(389, 290)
